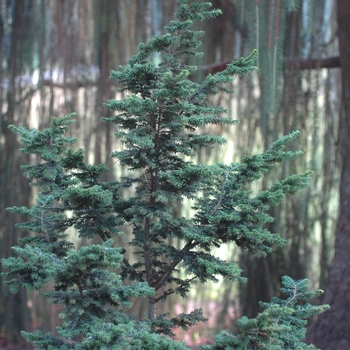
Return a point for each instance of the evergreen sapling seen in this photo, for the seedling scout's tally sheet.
(157, 122)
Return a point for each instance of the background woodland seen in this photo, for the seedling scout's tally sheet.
(56, 56)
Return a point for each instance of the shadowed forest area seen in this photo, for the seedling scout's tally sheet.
(56, 57)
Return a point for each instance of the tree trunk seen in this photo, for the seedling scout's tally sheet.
(332, 330)
(14, 189)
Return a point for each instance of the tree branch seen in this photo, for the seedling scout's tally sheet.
(172, 266)
(328, 62)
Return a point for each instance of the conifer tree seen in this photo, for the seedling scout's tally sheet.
(158, 123)
(281, 324)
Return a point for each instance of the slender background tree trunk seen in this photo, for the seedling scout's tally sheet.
(332, 331)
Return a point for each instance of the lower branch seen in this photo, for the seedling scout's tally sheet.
(310, 63)
(172, 266)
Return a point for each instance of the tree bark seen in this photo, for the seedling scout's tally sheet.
(332, 329)
(14, 190)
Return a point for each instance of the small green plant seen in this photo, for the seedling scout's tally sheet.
(281, 324)
(157, 122)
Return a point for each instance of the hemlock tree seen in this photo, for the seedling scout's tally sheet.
(281, 325)
(158, 124)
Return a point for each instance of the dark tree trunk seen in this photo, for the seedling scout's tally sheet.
(332, 330)
(13, 189)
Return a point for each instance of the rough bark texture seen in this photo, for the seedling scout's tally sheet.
(332, 330)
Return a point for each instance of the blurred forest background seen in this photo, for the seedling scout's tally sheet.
(55, 59)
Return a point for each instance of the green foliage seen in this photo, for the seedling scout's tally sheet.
(117, 332)
(281, 325)
(157, 122)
